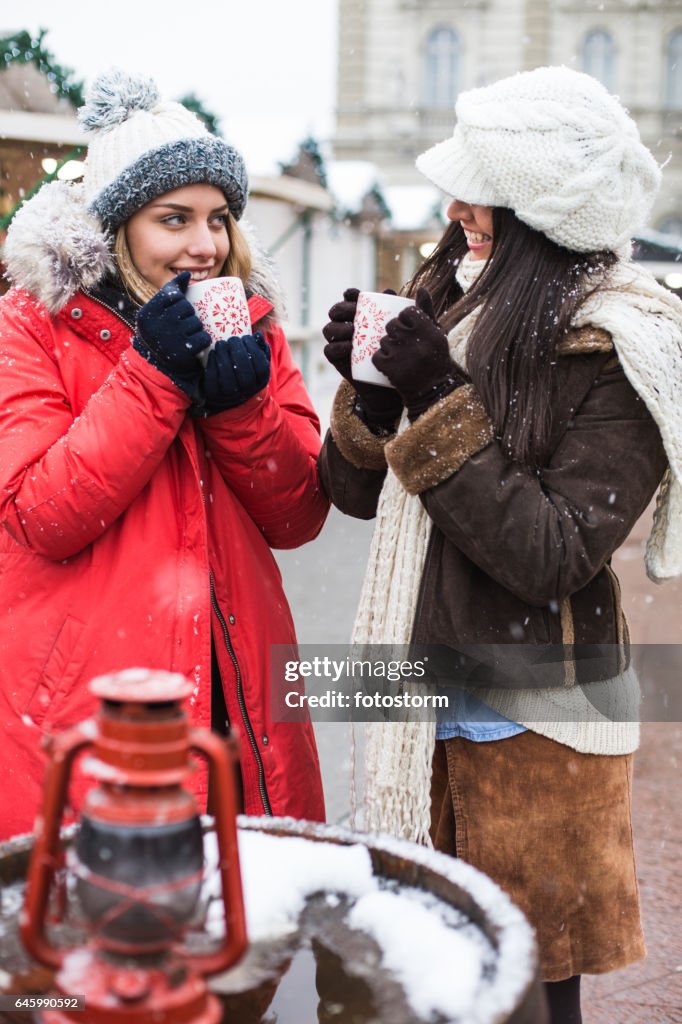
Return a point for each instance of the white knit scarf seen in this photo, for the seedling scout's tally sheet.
(645, 323)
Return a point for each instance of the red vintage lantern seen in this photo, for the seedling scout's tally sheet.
(137, 860)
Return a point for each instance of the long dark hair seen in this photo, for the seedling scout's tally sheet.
(527, 295)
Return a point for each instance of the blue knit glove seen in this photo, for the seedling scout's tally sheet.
(169, 335)
(236, 370)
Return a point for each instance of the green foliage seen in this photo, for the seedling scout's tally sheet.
(376, 196)
(23, 48)
(193, 103)
(311, 148)
(308, 163)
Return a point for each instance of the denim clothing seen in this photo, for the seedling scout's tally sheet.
(469, 717)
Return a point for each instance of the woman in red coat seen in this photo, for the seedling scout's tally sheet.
(141, 493)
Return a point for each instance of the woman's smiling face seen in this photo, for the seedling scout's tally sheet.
(477, 224)
(185, 229)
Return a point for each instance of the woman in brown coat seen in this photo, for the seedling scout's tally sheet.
(520, 442)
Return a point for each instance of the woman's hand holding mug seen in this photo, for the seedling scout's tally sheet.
(415, 356)
(236, 370)
(170, 336)
(379, 406)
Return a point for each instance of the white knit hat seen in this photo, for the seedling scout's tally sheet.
(558, 149)
(142, 147)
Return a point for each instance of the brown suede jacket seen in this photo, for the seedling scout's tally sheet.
(515, 556)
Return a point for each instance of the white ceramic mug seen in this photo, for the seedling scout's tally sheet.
(221, 305)
(373, 312)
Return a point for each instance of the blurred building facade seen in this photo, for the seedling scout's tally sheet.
(402, 63)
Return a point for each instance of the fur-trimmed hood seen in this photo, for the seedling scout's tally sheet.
(55, 247)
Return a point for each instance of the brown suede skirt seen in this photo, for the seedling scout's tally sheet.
(553, 828)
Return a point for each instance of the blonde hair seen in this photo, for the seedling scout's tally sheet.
(237, 264)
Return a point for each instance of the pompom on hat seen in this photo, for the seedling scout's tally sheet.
(141, 147)
(558, 149)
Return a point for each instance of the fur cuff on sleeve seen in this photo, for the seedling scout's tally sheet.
(438, 443)
(355, 441)
(583, 340)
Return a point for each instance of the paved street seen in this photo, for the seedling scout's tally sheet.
(323, 581)
(651, 992)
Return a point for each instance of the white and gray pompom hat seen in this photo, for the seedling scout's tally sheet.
(141, 147)
(558, 149)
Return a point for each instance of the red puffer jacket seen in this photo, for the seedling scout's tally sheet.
(117, 509)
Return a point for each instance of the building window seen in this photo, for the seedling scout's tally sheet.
(599, 56)
(673, 98)
(441, 68)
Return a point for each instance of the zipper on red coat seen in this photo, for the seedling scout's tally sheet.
(228, 642)
(100, 302)
(241, 701)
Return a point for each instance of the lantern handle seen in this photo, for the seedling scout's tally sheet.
(45, 857)
(222, 756)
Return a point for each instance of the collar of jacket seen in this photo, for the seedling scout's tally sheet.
(55, 249)
(99, 321)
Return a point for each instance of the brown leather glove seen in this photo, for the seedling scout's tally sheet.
(378, 406)
(415, 356)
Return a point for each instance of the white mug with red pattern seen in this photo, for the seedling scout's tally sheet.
(221, 305)
(373, 312)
